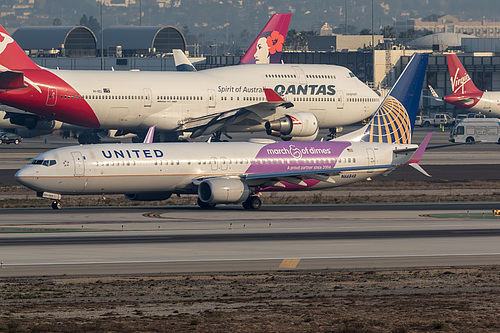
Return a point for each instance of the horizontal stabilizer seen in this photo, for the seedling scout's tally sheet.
(419, 169)
(12, 80)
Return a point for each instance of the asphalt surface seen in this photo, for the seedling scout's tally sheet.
(186, 239)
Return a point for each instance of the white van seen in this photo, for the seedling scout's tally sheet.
(476, 129)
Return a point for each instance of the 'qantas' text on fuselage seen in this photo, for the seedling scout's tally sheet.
(307, 89)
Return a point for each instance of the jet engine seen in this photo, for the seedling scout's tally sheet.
(153, 196)
(220, 190)
(299, 126)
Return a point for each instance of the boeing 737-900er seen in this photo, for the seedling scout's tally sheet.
(465, 93)
(227, 99)
(233, 172)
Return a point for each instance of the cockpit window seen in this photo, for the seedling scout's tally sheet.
(44, 162)
(351, 74)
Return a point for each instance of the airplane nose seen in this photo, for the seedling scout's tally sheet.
(24, 176)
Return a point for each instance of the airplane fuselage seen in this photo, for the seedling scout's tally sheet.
(136, 100)
(487, 102)
(178, 167)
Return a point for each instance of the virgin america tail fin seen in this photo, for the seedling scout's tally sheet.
(268, 45)
(12, 57)
(461, 83)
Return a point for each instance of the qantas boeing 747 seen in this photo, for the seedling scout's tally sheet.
(227, 99)
(237, 172)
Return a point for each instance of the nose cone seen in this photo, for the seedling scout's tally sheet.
(25, 176)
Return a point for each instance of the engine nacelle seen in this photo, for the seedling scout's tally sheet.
(219, 190)
(300, 138)
(27, 120)
(297, 124)
(153, 196)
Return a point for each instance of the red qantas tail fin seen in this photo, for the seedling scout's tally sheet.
(12, 57)
(461, 82)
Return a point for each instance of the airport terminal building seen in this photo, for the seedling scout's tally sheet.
(149, 48)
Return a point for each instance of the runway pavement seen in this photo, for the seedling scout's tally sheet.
(185, 239)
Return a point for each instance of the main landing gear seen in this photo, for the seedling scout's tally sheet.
(253, 202)
(334, 132)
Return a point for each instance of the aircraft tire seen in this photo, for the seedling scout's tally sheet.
(253, 202)
(205, 205)
(56, 204)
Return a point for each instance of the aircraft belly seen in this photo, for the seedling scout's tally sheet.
(131, 184)
(66, 185)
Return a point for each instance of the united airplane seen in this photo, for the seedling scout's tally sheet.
(465, 93)
(219, 100)
(234, 172)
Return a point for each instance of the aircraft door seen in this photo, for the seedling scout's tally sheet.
(340, 99)
(147, 97)
(79, 164)
(213, 163)
(211, 98)
(300, 74)
(223, 163)
(487, 104)
(51, 97)
(371, 158)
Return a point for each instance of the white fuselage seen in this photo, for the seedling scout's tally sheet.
(176, 167)
(137, 100)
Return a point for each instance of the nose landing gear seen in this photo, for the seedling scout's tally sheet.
(56, 204)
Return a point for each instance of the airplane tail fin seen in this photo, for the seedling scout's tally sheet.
(274, 34)
(461, 82)
(12, 57)
(395, 117)
(182, 63)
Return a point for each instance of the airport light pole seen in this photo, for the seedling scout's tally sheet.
(102, 40)
(373, 32)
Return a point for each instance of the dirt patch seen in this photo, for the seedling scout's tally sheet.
(446, 300)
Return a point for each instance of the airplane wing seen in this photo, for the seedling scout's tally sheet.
(298, 177)
(213, 122)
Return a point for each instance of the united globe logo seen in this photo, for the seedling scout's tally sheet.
(391, 124)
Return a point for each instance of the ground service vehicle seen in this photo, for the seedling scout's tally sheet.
(438, 119)
(6, 137)
(476, 129)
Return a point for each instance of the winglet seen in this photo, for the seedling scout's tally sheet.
(420, 151)
(151, 134)
(182, 63)
(433, 92)
(413, 162)
(272, 96)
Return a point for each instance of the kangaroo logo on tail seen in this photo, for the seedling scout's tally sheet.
(5, 42)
